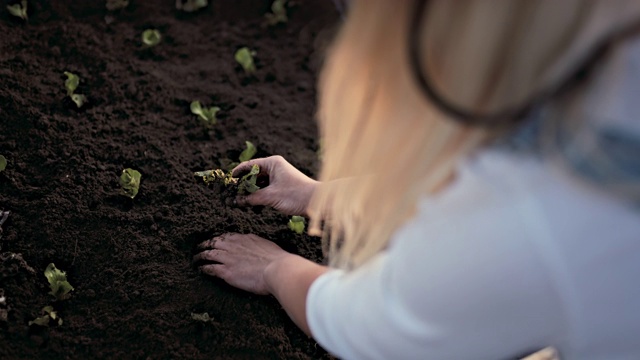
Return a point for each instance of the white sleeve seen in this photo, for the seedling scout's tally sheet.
(474, 288)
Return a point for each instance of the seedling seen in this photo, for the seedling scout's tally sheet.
(247, 183)
(296, 224)
(18, 10)
(49, 314)
(247, 153)
(244, 57)
(151, 37)
(209, 176)
(78, 99)
(130, 182)
(191, 5)
(204, 317)
(113, 5)
(60, 287)
(3, 163)
(71, 84)
(278, 13)
(208, 115)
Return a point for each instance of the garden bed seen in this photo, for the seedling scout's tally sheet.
(130, 260)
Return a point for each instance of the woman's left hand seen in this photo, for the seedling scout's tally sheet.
(241, 260)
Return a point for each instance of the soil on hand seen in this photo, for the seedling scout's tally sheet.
(130, 260)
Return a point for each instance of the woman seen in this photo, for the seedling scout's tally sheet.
(479, 188)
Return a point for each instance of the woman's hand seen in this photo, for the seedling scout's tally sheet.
(241, 260)
(288, 191)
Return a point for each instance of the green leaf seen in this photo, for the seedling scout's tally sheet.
(151, 37)
(49, 311)
(204, 317)
(247, 183)
(78, 99)
(60, 287)
(130, 182)
(244, 57)
(278, 13)
(19, 10)
(113, 5)
(72, 82)
(191, 5)
(3, 163)
(207, 115)
(296, 224)
(42, 321)
(248, 153)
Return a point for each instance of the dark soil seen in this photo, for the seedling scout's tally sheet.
(130, 260)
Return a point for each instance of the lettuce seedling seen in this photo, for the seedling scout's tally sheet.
(209, 176)
(207, 115)
(244, 57)
(3, 163)
(247, 183)
(130, 182)
(60, 287)
(78, 99)
(113, 5)
(151, 37)
(72, 82)
(19, 10)
(191, 5)
(278, 13)
(50, 314)
(296, 224)
(247, 153)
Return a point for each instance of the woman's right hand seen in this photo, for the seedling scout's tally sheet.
(288, 191)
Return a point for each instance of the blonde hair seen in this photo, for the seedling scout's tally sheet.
(385, 144)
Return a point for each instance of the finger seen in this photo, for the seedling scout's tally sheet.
(217, 270)
(210, 255)
(226, 240)
(261, 197)
(245, 167)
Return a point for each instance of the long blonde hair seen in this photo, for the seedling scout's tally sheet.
(385, 145)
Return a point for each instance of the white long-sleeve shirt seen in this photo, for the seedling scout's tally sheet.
(514, 256)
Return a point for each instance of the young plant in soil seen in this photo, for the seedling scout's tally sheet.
(113, 5)
(18, 10)
(246, 155)
(58, 283)
(151, 37)
(49, 315)
(296, 224)
(207, 115)
(3, 163)
(278, 13)
(244, 57)
(191, 5)
(71, 84)
(130, 182)
(229, 186)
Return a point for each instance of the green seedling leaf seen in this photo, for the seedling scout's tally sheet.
(278, 13)
(296, 224)
(3, 163)
(78, 99)
(207, 115)
(151, 37)
(244, 57)
(60, 287)
(204, 317)
(72, 82)
(130, 182)
(113, 5)
(191, 5)
(248, 153)
(247, 183)
(44, 320)
(18, 10)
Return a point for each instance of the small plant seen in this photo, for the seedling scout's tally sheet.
(204, 317)
(207, 115)
(71, 84)
(244, 57)
(278, 13)
(60, 287)
(3, 163)
(191, 5)
(130, 182)
(296, 224)
(248, 153)
(18, 10)
(113, 5)
(247, 183)
(49, 314)
(209, 176)
(151, 37)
